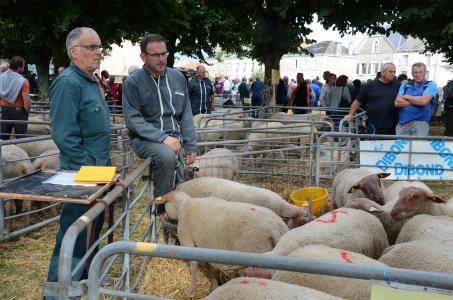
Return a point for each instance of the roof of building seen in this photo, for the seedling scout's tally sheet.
(326, 47)
(399, 43)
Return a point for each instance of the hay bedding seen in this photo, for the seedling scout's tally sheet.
(171, 278)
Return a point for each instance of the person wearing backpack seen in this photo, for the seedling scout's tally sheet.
(415, 100)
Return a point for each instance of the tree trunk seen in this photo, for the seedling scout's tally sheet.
(271, 61)
(171, 47)
(42, 67)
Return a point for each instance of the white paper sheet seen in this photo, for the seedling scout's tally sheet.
(65, 178)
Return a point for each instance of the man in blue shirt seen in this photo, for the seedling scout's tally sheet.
(415, 103)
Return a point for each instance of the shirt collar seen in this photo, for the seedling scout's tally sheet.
(81, 73)
(149, 73)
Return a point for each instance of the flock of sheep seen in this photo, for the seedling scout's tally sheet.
(404, 225)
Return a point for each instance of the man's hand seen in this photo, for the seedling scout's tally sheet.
(190, 158)
(348, 117)
(173, 143)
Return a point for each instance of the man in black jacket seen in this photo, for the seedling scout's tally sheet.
(200, 92)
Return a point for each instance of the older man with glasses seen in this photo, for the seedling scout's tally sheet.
(80, 128)
(158, 114)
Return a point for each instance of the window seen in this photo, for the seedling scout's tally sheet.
(358, 69)
(296, 63)
(405, 60)
(374, 67)
(428, 59)
(375, 47)
(245, 66)
(427, 75)
(362, 68)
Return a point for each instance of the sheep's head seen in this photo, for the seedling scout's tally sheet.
(371, 187)
(190, 172)
(301, 217)
(364, 204)
(413, 201)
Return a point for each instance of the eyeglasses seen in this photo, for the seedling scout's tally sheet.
(158, 55)
(90, 47)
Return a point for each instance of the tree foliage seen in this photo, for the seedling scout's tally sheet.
(429, 20)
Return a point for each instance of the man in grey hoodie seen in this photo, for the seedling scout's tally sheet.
(158, 114)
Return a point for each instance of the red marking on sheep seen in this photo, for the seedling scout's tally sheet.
(244, 282)
(263, 283)
(253, 209)
(333, 216)
(345, 257)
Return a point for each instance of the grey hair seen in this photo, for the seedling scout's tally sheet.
(419, 65)
(199, 67)
(73, 38)
(386, 66)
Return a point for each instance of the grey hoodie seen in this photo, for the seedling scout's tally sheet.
(153, 113)
(10, 85)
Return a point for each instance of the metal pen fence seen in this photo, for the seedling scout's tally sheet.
(333, 157)
(18, 217)
(360, 271)
(134, 191)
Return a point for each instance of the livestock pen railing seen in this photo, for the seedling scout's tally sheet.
(15, 222)
(360, 271)
(137, 221)
(429, 158)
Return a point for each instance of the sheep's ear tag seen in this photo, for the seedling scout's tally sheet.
(383, 175)
(158, 200)
(372, 209)
(353, 189)
(436, 199)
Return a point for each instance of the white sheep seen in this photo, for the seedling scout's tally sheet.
(264, 289)
(313, 116)
(384, 213)
(218, 162)
(17, 163)
(348, 288)
(215, 223)
(34, 149)
(357, 183)
(238, 192)
(205, 122)
(414, 200)
(38, 129)
(343, 228)
(426, 227)
(257, 142)
(426, 255)
(49, 159)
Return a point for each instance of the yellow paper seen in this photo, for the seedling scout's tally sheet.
(95, 174)
(382, 292)
(372, 209)
(275, 77)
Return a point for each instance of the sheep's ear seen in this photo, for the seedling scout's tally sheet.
(195, 169)
(436, 199)
(383, 175)
(353, 189)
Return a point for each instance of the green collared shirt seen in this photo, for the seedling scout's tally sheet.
(80, 120)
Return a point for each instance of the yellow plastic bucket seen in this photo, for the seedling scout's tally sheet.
(316, 194)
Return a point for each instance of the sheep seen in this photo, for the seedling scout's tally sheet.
(258, 289)
(218, 162)
(415, 200)
(17, 163)
(384, 213)
(204, 122)
(238, 192)
(348, 288)
(426, 255)
(426, 227)
(49, 159)
(345, 228)
(215, 223)
(34, 149)
(255, 139)
(38, 129)
(356, 183)
(319, 118)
